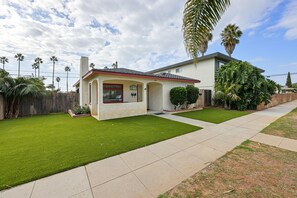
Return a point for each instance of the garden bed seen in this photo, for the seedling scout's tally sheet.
(72, 114)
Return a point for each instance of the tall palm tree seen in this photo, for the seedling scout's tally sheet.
(67, 69)
(230, 37)
(38, 62)
(19, 57)
(200, 18)
(204, 46)
(3, 60)
(92, 65)
(35, 67)
(54, 59)
(58, 79)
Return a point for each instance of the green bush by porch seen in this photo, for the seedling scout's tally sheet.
(213, 115)
(35, 147)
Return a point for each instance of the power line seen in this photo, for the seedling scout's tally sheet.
(268, 76)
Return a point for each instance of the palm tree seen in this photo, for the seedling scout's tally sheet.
(35, 66)
(15, 89)
(3, 60)
(204, 46)
(54, 59)
(58, 81)
(200, 18)
(230, 37)
(67, 69)
(92, 65)
(19, 57)
(38, 62)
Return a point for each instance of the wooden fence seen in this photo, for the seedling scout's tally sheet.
(49, 103)
(278, 99)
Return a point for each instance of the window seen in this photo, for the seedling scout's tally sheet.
(90, 93)
(178, 70)
(169, 71)
(221, 64)
(112, 93)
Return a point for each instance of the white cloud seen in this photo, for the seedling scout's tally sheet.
(288, 21)
(139, 35)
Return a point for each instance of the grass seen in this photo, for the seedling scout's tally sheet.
(213, 115)
(285, 126)
(250, 170)
(35, 147)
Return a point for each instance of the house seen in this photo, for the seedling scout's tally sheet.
(204, 70)
(120, 92)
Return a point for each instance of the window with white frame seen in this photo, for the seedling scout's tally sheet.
(178, 70)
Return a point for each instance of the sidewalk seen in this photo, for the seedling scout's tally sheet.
(152, 170)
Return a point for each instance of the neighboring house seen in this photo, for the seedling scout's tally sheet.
(286, 89)
(119, 92)
(204, 70)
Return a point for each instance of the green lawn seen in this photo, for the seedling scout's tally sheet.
(213, 115)
(285, 126)
(35, 147)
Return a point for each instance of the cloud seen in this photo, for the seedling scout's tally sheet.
(288, 21)
(141, 35)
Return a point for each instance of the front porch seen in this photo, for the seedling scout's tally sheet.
(116, 98)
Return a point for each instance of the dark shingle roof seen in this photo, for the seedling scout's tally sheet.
(139, 73)
(216, 55)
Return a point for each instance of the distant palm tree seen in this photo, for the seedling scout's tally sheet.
(3, 60)
(58, 79)
(200, 18)
(92, 65)
(38, 62)
(54, 59)
(35, 66)
(204, 45)
(67, 69)
(230, 37)
(19, 57)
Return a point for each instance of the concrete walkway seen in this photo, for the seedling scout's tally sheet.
(152, 170)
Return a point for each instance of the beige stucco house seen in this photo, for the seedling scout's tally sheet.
(120, 92)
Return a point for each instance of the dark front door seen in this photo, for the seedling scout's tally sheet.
(207, 97)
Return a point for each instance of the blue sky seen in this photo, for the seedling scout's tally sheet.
(141, 35)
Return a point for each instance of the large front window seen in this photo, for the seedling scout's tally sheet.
(112, 93)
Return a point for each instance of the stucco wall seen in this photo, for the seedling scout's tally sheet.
(130, 107)
(203, 71)
(1, 107)
(278, 99)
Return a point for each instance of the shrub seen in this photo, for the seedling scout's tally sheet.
(242, 86)
(81, 110)
(178, 96)
(192, 94)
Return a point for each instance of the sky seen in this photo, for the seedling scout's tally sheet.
(139, 34)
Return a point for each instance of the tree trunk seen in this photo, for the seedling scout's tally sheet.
(19, 69)
(53, 82)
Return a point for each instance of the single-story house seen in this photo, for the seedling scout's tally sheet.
(204, 70)
(120, 92)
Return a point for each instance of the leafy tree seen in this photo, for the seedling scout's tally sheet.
(3, 60)
(289, 81)
(204, 46)
(230, 37)
(58, 81)
(19, 58)
(67, 69)
(92, 65)
(244, 84)
(16, 89)
(192, 94)
(294, 85)
(38, 62)
(200, 18)
(54, 59)
(178, 96)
